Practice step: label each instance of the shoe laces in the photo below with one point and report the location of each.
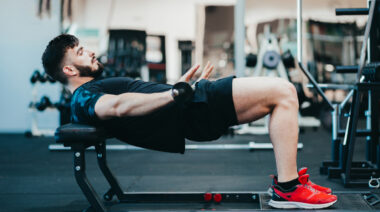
(311, 188)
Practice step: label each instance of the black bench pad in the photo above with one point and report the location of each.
(70, 134)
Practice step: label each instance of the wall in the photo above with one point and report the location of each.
(23, 38)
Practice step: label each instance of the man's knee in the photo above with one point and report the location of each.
(286, 94)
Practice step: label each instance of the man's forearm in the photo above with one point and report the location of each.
(137, 104)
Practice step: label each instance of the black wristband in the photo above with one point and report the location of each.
(182, 92)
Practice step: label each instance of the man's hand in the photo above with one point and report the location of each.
(206, 72)
(182, 91)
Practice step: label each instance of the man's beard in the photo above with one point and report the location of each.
(86, 71)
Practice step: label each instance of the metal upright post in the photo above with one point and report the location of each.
(369, 140)
(350, 136)
(373, 56)
(335, 115)
(374, 110)
(239, 38)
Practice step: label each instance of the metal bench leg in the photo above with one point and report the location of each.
(81, 178)
(102, 162)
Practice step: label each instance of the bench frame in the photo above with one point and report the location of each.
(97, 204)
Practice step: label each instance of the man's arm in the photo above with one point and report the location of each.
(130, 104)
(138, 104)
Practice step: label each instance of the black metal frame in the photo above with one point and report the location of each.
(342, 164)
(140, 197)
(342, 151)
(371, 166)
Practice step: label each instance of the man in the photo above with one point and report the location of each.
(148, 115)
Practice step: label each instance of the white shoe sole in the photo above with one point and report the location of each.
(270, 191)
(290, 205)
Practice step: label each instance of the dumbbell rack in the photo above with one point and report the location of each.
(35, 131)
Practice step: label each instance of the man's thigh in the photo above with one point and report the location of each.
(255, 97)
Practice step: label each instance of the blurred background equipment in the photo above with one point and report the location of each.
(126, 54)
(218, 40)
(156, 58)
(187, 50)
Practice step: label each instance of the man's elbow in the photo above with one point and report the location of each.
(122, 110)
(121, 113)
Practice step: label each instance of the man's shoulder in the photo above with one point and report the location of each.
(100, 83)
(83, 102)
(87, 91)
(109, 82)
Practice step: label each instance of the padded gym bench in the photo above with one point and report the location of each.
(80, 137)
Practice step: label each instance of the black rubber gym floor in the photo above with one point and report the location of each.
(34, 179)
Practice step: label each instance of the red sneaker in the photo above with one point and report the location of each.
(301, 196)
(326, 190)
(302, 171)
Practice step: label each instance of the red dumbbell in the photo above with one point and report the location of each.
(217, 198)
(207, 197)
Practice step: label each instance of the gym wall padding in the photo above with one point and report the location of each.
(23, 38)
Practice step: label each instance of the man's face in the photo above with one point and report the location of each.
(84, 61)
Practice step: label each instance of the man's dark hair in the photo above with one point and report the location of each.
(54, 53)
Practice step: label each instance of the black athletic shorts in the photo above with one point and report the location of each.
(211, 111)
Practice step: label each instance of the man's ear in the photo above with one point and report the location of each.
(69, 70)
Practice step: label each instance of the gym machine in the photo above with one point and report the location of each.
(353, 173)
(269, 61)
